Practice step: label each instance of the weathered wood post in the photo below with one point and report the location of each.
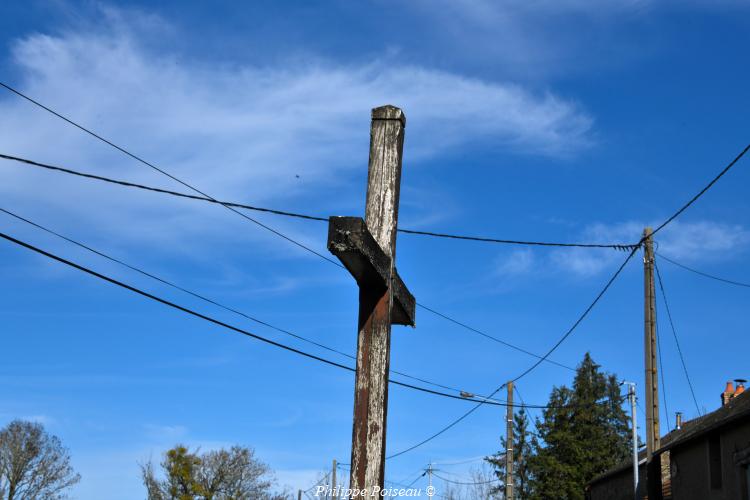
(509, 440)
(653, 434)
(368, 249)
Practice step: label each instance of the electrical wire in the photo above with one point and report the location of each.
(580, 319)
(487, 401)
(661, 369)
(236, 205)
(167, 174)
(462, 462)
(166, 282)
(701, 273)
(221, 323)
(676, 340)
(278, 212)
(702, 191)
(495, 339)
(615, 246)
(462, 483)
(209, 300)
(321, 480)
(527, 371)
(417, 479)
(632, 247)
(158, 190)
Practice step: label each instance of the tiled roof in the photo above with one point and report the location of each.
(738, 407)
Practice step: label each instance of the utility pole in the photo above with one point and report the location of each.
(653, 436)
(299, 494)
(430, 489)
(634, 425)
(367, 248)
(509, 444)
(333, 480)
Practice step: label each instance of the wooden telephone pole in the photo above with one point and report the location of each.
(653, 436)
(333, 480)
(509, 445)
(367, 248)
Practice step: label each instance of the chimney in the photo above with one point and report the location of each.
(740, 386)
(727, 394)
(678, 423)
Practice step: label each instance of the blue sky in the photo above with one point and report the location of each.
(566, 120)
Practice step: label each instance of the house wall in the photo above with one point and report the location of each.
(690, 465)
(735, 439)
(618, 486)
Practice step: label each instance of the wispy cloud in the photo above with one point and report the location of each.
(683, 240)
(168, 433)
(274, 135)
(516, 263)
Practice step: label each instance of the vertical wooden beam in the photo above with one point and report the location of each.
(333, 480)
(653, 437)
(509, 445)
(374, 331)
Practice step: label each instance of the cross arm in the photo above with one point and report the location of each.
(351, 241)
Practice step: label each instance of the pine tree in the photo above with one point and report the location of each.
(582, 433)
(521, 453)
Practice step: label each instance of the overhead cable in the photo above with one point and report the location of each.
(528, 370)
(615, 246)
(207, 299)
(676, 340)
(701, 273)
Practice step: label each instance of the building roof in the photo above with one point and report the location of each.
(737, 408)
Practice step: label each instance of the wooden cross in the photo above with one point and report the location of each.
(368, 250)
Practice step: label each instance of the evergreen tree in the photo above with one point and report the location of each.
(521, 454)
(582, 433)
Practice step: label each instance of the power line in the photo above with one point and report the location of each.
(278, 212)
(580, 319)
(661, 369)
(206, 299)
(158, 190)
(462, 462)
(167, 174)
(632, 247)
(187, 310)
(527, 371)
(221, 323)
(417, 479)
(676, 340)
(486, 335)
(615, 246)
(462, 483)
(230, 309)
(321, 480)
(702, 191)
(701, 273)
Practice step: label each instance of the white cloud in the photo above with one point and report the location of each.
(692, 241)
(689, 241)
(516, 263)
(166, 433)
(238, 132)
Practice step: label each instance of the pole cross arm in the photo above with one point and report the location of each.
(351, 241)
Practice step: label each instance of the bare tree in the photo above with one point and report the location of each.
(215, 475)
(33, 464)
